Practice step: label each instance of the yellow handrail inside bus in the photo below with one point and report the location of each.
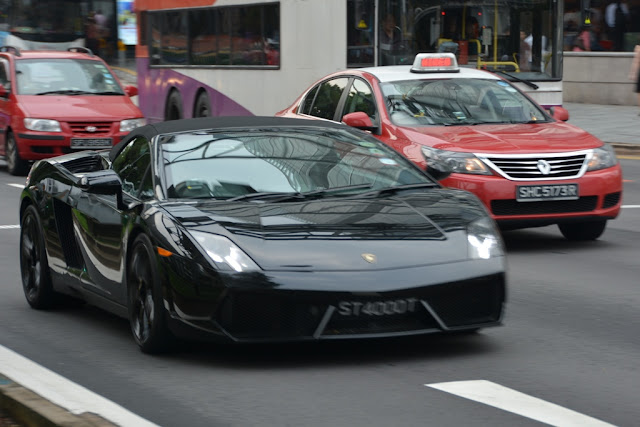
(482, 63)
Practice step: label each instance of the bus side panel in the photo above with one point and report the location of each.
(155, 85)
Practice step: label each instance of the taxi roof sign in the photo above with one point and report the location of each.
(435, 63)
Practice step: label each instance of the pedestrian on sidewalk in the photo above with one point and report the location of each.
(634, 72)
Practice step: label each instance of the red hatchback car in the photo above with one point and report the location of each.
(55, 102)
(475, 131)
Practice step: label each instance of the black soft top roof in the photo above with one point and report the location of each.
(216, 123)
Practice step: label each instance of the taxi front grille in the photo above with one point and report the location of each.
(90, 129)
(539, 166)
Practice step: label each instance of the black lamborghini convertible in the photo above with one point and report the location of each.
(258, 229)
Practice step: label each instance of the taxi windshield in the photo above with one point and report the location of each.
(457, 101)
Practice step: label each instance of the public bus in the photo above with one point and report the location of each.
(40, 24)
(230, 57)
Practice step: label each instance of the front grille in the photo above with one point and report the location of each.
(611, 199)
(538, 166)
(362, 325)
(299, 315)
(79, 129)
(264, 315)
(513, 207)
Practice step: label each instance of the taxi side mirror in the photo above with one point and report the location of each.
(131, 90)
(559, 113)
(359, 120)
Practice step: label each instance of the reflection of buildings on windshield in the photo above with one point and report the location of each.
(228, 166)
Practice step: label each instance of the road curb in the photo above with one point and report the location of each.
(32, 410)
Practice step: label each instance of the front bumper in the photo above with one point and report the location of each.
(311, 306)
(42, 145)
(600, 197)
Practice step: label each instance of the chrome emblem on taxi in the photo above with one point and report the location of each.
(544, 167)
(91, 129)
(370, 258)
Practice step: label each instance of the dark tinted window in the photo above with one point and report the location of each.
(360, 25)
(326, 101)
(4, 79)
(203, 36)
(155, 31)
(133, 166)
(308, 101)
(360, 98)
(227, 36)
(174, 38)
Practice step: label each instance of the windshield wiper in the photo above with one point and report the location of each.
(262, 195)
(464, 123)
(394, 189)
(518, 79)
(282, 197)
(106, 92)
(65, 92)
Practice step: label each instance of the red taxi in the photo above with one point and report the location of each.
(475, 131)
(55, 102)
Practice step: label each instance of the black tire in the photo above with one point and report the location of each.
(173, 110)
(581, 231)
(146, 310)
(34, 266)
(15, 165)
(203, 106)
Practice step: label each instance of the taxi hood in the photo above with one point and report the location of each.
(505, 138)
(334, 234)
(79, 107)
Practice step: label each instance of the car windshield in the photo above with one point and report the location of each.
(282, 162)
(65, 77)
(458, 101)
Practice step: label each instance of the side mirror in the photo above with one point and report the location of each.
(559, 113)
(101, 182)
(131, 90)
(359, 120)
(4, 93)
(105, 182)
(437, 166)
(438, 171)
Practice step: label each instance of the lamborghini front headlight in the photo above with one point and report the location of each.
(224, 252)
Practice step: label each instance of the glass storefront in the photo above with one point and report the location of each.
(610, 29)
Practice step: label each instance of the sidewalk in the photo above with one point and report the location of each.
(618, 125)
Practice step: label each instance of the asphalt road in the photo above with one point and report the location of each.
(570, 338)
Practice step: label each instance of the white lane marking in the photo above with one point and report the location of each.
(510, 400)
(20, 186)
(63, 392)
(631, 206)
(7, 227)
